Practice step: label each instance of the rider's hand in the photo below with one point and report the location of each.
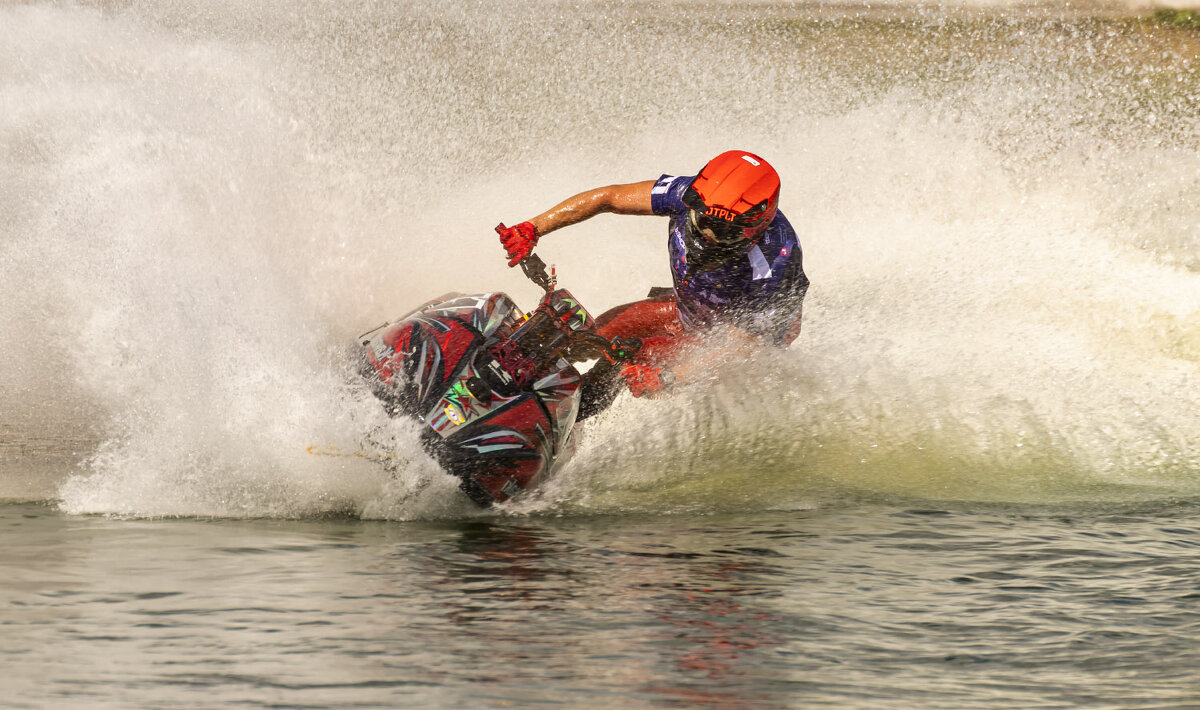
(518, 241)
(645, 380)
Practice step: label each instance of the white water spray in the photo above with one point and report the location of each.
(202, 205)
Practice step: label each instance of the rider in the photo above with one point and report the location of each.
(735, 262)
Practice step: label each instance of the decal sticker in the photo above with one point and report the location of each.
(762, 270)
(453, 415)
(498, 440)
(496, 369)
(460, 395)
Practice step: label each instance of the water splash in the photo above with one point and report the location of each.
(999, 213)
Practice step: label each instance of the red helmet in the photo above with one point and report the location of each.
(734, 198)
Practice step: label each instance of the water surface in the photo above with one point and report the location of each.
(857, 606)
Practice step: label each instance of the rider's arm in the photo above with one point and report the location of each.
(632, 198)
(793, 330)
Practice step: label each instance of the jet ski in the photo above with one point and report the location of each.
(495, 389)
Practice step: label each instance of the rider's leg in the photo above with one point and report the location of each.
(655, 322)
(640, 319)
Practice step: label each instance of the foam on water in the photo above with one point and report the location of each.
(201, 205)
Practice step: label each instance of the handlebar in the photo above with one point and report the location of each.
(615, 350)
(535, 269)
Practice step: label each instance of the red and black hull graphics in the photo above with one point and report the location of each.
(496, 418)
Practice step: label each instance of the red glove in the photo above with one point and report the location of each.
(518, 241)
(644, 379)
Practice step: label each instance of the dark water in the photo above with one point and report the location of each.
(856, 606)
